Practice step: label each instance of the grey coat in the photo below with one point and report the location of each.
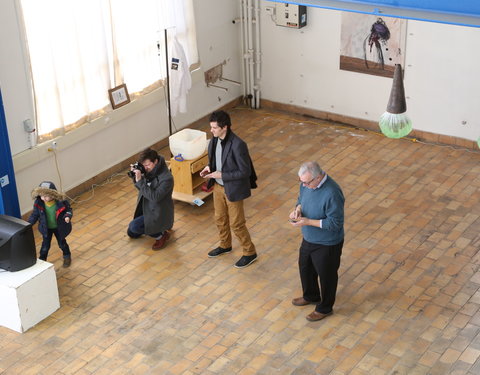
(154, 200)
(238, 173)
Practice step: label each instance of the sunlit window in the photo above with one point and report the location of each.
(80, 49)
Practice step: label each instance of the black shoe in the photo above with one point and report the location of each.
(43, 257)
(67, 262)
(218, 251)
(246, 260)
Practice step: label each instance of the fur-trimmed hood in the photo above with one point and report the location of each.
(48, 189)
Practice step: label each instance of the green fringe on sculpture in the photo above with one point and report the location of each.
(394, 123)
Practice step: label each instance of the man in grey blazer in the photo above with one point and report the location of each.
(154, 212)
(230, 171)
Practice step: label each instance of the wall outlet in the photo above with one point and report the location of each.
(4, 181)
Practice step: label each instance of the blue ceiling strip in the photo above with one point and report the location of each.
(463, 7)
(464, 13)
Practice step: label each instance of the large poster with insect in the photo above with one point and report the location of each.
(372, 44)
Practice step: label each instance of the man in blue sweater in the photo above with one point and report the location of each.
(320, 213)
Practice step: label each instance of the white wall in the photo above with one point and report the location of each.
(93, 148)
(443, 78)
(442, 75)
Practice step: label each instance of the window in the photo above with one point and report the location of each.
(80, 49)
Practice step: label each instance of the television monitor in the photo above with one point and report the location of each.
(17, 244)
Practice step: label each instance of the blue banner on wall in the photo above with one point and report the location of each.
(8, 189)
(2, 209)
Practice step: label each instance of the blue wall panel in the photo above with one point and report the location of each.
(8, 193)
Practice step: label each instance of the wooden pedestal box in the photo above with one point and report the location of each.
(186, 175)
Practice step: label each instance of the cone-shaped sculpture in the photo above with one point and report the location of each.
(394, 123)
(397, 103)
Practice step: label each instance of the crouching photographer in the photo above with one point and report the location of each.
(154, 211)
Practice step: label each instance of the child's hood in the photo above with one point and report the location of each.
(48, 189)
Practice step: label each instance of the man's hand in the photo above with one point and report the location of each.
(296, 219)
(138, 174)
(215, 174)
(296, 213)
(205, 171)
(67, 219)
(300, 221)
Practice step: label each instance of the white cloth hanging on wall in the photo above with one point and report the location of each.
(180, 79)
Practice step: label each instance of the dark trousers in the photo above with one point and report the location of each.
(136, 228)
(320, 262)
(62, 244)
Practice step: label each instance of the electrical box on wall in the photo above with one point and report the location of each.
(291, 15)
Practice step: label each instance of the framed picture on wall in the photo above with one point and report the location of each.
(119, 96)
(372, 44)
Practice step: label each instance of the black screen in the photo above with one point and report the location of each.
(17, 244)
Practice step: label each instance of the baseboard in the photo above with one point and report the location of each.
(370, 125)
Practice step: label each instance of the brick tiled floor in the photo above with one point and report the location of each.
(408, 297)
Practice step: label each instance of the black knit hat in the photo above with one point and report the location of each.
(48, 185)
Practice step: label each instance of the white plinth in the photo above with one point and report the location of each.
(28, 296)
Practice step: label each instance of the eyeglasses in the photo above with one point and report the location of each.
(307, 183)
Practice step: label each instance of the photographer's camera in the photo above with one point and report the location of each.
(138, 166)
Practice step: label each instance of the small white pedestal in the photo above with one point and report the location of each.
(28, 296)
